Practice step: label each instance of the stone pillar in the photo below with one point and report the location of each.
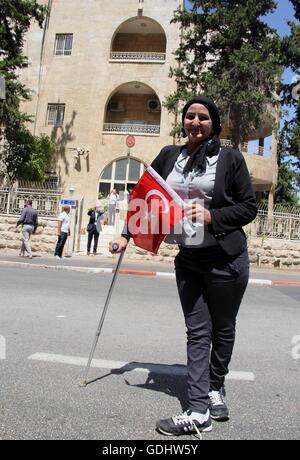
(261, 145)
(274, 163)
(271, 199)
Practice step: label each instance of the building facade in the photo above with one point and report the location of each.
(99, 71)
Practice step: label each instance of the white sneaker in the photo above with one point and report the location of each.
(185, 424)
(218, 408)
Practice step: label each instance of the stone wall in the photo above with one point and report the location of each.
(43, 241)
(263, 252)
(266, 252)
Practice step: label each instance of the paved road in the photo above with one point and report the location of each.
(50, 314)
(140, 264)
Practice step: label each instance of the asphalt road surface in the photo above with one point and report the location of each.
(48, 322)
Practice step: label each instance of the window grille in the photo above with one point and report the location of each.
(55, 114)
(63, 44)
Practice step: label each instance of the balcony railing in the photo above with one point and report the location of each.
(133, 128)
(243, 147)
(141, 56)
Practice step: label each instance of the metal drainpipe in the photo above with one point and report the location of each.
(46, 24)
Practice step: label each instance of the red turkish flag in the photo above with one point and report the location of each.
(154, 209)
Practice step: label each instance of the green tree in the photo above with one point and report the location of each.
(19, 148)
(229, 53)
(25, 156)
(288, 175)
(289, 137)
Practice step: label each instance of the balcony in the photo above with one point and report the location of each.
(133, 127)
(138, 56)
(139, 40)
(261, 166)
(243, 147)
(133, 109)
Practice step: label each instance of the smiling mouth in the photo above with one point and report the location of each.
(195, 131)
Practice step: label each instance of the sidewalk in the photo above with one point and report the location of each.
(101, 264)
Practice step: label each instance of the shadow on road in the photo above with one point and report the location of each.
(164, 378)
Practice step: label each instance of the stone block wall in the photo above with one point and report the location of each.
(42, 242)
(262, 253)
(266, 252)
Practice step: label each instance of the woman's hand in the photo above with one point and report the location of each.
(196, 213)
(121, 242)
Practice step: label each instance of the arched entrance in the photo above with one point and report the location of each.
(122, 174)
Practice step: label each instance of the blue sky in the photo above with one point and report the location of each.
(278, 20)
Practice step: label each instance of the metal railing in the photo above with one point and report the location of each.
(282, 223)
(133, 128)
(4, 200)
(141, 56)
(243, 147)
(45, 201)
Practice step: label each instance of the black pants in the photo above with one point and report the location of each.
(60, 244)
(210, 294)
(92, 234)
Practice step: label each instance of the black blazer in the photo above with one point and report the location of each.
(91, 225)
(233, 203)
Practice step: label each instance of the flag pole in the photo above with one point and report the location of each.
(84, 382)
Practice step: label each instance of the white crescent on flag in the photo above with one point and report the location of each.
(161, 195)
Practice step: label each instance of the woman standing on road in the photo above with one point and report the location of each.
(213, 275)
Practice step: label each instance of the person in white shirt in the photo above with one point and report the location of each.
(112, 204)
(63, 231)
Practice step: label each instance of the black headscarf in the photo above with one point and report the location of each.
(209, 147)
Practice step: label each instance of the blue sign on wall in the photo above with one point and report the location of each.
(68, 202)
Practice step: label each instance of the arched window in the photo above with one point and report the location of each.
(122, 174)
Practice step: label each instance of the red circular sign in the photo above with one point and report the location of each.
(130, 141)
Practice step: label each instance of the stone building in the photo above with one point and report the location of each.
(98, 71)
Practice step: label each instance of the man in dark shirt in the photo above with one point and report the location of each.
(29, 222)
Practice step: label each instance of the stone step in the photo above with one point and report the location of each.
(108, 232)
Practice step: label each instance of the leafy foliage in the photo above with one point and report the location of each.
(22, 155)
(289, 138)
(288, 176)
(229, 53)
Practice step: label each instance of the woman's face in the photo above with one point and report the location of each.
(197, 123)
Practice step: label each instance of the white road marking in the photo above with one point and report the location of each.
(165, 275)
(60, 316)
(120, 366)
(2, 347)
(258, 281)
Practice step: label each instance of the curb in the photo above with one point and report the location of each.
(124, 271)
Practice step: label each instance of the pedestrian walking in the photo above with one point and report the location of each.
(94, 228)
(211, 276)
(63, 231)
(113, 199)
(29, 222)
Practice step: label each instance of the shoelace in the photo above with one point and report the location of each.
(184, 418)
(216, 398)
